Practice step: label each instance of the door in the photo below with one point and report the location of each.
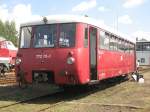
(93, 53)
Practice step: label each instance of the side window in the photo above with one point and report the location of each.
(86, 36)
(128, 51)
(106, 41)
(111, 44)
(131, 47)
(101, 40)
(116, 44)
(126, 47)
(121, 45)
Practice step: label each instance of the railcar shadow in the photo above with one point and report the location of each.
(13, 94)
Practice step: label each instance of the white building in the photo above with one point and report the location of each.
(143, 51)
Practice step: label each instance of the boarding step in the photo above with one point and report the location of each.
(94, 82)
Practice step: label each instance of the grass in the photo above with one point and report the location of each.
(126, 93)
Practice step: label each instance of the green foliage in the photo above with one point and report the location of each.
(8, 31)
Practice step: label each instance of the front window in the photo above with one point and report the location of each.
(67, 35)
(45, 36)
(49, 35)
(26, 34)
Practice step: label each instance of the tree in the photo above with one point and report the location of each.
(8, 31)
(2, 29)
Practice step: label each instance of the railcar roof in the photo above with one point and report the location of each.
(73, 18)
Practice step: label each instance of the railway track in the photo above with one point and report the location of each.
(58, 97)
(51, 106)
(32, 99)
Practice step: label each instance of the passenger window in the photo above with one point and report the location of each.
(115, 44)
(121, 46)
(106, 41)
(101, 40)
(111, 44)
(126, 47)
(128, 51)
(86, 36)
(131, 48)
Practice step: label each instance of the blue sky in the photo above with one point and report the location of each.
(128, 16)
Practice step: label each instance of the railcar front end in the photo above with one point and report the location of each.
(52, 53)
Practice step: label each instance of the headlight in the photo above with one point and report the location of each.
(70, 60)
(18, 61)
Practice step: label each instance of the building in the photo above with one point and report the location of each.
(143, 51)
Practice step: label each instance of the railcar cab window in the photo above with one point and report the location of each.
(26, 34)
(67, 35)
(45, 36)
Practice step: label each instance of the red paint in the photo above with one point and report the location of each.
(7, 50)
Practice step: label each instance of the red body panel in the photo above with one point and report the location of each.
(7, 53)
(111, 64)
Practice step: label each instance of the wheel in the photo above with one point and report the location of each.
(22, 83)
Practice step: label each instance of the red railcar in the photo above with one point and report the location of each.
(7, 55)
(72, 51)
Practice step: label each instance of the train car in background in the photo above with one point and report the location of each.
(72, 50)
(7, 55)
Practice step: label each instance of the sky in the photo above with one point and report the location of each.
(130, 17)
